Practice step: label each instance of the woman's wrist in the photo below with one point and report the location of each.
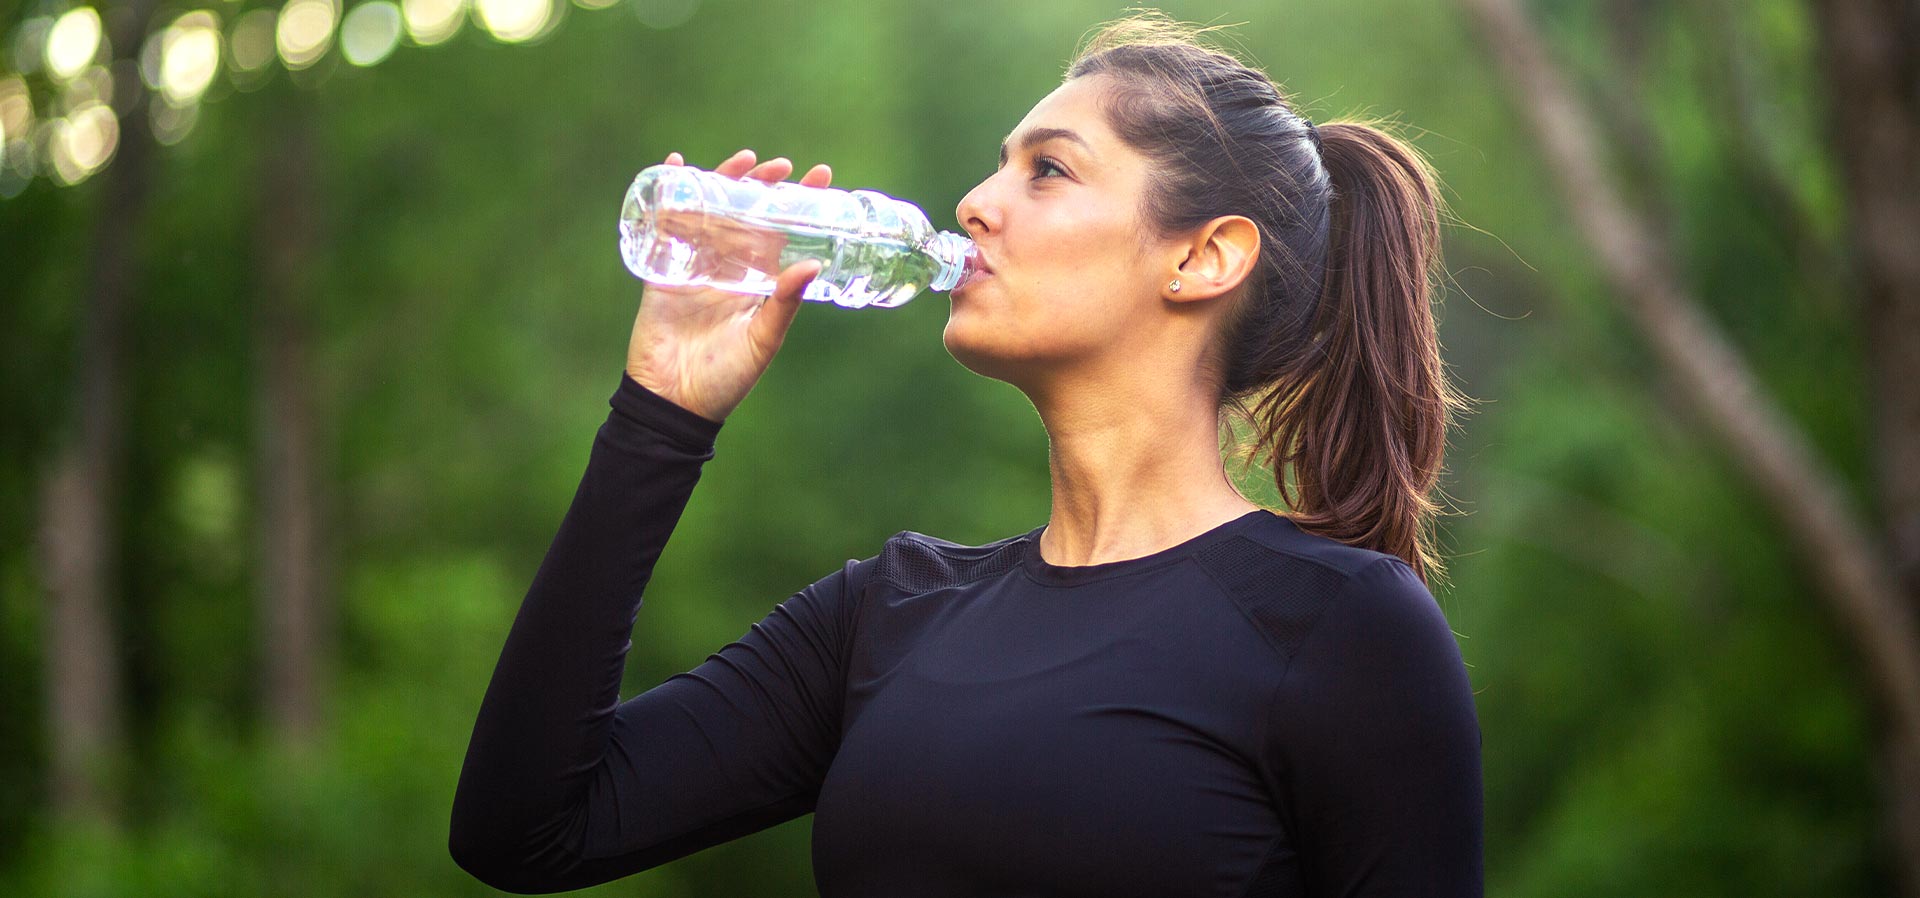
(671, 394)
(650, 407)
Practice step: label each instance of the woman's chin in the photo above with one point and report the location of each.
(959, 338)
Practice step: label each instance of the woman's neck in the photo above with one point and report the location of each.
(1134, 471)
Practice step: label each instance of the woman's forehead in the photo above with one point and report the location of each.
(1072, 114)
(1073, 106)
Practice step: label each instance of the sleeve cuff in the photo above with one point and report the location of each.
(656, 412)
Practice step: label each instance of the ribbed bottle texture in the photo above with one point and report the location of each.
(684, 226)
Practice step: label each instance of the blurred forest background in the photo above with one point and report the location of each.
(302, 351)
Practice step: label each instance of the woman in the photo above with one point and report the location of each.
(1165, 690)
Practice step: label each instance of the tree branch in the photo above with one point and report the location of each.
(1855, 577)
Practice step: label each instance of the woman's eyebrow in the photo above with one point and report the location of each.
(1042, 135)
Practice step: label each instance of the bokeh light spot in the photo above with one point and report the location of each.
(514, 21)
(73, 42)
(30, 44)
(83, 142)
(305, 31)
(252, 43)
(189, 57)
(432, 21)
(16, 136)
(370, 33)
(170, 123)
(16, 106)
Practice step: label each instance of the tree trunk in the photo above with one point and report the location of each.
(1867, 52)
(294, 606)
(1860, 586)
(79, 516)
(1873, 74)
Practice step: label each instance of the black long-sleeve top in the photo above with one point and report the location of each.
(1256, 711)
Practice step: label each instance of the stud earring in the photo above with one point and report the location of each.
(1175, 285)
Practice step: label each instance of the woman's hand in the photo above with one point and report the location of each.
(704, 349)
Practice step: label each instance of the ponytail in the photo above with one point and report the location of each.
(1363, 425)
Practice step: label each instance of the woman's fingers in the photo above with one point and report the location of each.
(736, 165)
(743, 165)
(770, 322)
(775, 169)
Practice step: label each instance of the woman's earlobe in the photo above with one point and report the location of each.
(1189, 287)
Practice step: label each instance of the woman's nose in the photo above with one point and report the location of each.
(972, 213)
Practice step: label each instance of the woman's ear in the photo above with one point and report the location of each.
(1219, 257)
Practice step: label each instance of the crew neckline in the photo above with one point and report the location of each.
(1075, 574)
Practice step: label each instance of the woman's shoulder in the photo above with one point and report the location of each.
(1277, 535)
(1285, 580)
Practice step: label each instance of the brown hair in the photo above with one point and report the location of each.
(1331, 338)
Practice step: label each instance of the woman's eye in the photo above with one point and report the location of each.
(1042, 165)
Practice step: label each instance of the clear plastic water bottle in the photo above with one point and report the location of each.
(685, 226)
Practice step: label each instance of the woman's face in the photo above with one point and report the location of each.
(1074, 271)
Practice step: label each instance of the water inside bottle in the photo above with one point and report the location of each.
(746, 253)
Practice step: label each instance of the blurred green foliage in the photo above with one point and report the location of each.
(1666, 710)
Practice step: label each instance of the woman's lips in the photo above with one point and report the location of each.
(979, 272)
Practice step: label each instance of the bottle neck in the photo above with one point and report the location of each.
(955, 254)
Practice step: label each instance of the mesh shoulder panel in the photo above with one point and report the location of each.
(1281, 594)
(920, 563)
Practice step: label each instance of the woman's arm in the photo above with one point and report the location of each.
(564, 786)
(1377, 735)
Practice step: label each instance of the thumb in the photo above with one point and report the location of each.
(771, 321)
